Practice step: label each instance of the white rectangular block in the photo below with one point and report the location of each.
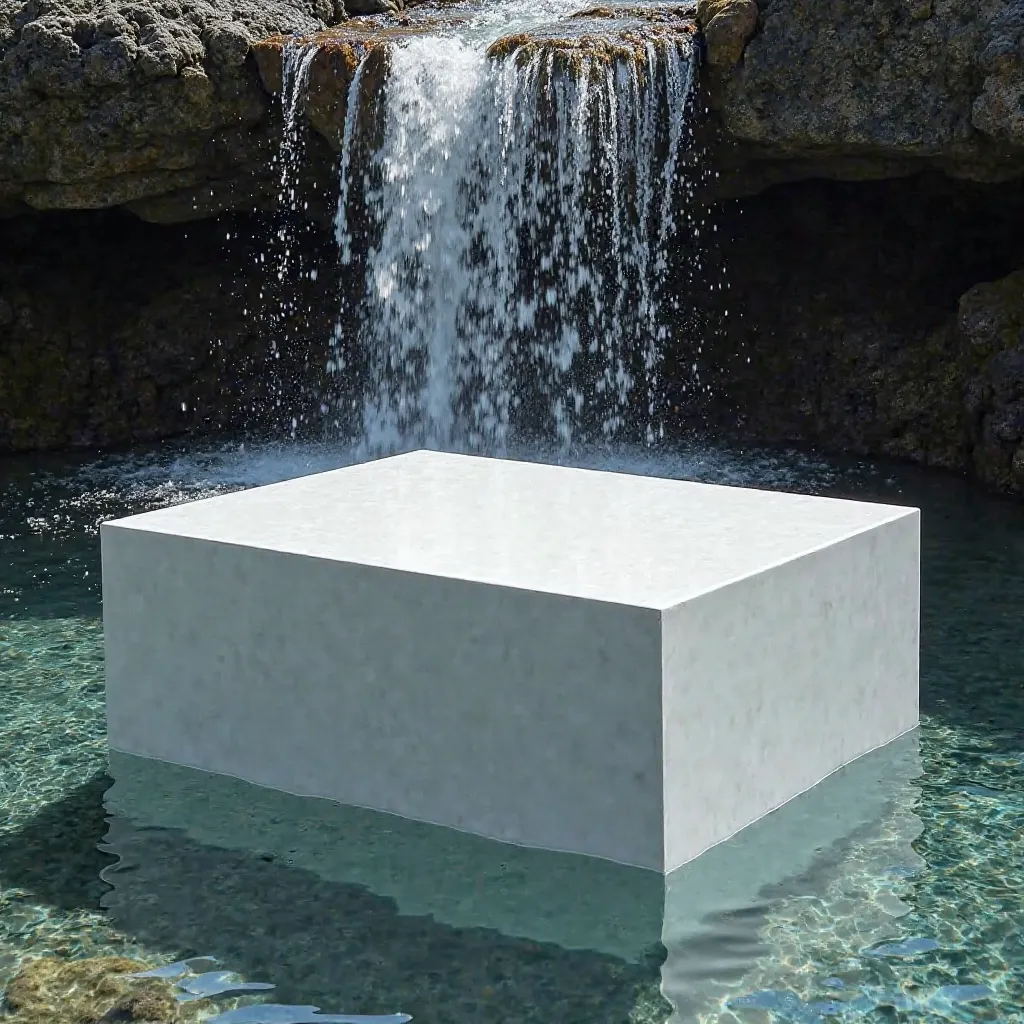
(626, 667)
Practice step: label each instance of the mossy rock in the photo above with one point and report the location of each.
(94, 991)
(991, 315)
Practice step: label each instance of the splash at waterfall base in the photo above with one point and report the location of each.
(454, 640)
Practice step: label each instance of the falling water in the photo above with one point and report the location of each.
(513, 219)
(295, 65)
(289, 259)
(296, 60)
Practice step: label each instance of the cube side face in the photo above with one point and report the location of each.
(524, 717)
(774, 682)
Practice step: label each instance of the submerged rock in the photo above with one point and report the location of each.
(55, 991)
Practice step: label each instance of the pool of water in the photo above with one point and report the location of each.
(890, 894)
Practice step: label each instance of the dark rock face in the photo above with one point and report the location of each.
(114, 331)
(999, 110)
(859, 309)
(991, 324)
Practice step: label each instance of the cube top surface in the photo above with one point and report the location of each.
(632, 540)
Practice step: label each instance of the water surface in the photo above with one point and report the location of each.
(893, 894)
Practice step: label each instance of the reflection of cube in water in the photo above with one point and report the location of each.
(621, 666)
(172, 828)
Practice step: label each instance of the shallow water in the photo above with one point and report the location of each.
(898, 905)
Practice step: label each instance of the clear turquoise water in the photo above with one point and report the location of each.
(915, 914)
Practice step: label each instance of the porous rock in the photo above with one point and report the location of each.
(728, 26)
(860, 91)
(999, 110)
(112, 102)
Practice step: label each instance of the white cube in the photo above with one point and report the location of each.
(620, 666)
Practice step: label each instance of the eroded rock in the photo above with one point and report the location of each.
(728, 26)
(868, 90)
(108, 102)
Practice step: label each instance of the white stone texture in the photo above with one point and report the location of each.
(598, 663)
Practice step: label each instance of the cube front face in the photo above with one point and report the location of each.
(524, 717)
(777, 680)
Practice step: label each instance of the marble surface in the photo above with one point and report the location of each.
(774, 682)
(593, 663)
(640, 541)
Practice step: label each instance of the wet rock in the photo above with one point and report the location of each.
(95, 991)
(624, 34)
(991, 321)
(338, 53)
(337, 56)
(860, 91)
(999, 110)
(374, 6)
(108, 102)
(728, 26)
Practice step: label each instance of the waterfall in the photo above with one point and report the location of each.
(295, 65)
(512, 221)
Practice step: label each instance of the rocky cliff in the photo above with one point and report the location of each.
(157, 104)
